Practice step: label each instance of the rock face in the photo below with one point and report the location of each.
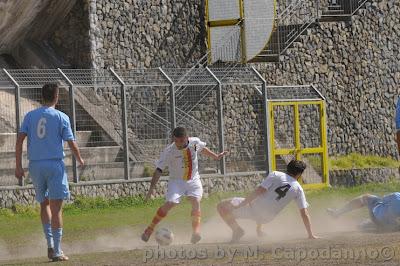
(127, 34)
(10, 196)
(21, 19)
(355, 65)
(357, 68)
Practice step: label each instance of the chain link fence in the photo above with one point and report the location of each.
(122, 119)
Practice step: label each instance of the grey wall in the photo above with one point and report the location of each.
(9, 196)
(356, 66)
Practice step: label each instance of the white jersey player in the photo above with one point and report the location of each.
(181, 158)
(276, 191)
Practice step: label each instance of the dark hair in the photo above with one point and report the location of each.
(179, 132)
(49, 92)
(296, 167)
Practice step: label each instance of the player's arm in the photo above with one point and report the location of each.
(156, 176)
(252, 196)
(307, 223)
(74, 148)
(19, 171)
(207, 152)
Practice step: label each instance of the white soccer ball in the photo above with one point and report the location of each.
(164, 236)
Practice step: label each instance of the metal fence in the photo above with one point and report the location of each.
(122, 119)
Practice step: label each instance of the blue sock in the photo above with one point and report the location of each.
(57, 235)
(48, 235)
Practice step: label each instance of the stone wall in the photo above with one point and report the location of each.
(147, 33)
(354, 177)
(10, 196)
(356, 67)
(354, 64)
(239, 182)
(71, 39)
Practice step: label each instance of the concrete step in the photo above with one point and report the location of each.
(91, 155)
(329, 17)
(7, 140)
(106, 171)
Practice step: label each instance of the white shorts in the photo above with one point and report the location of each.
(177, 188)
(248, 212)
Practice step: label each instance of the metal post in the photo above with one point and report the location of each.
(266, 121)
(17, 111)
(73, 120)
(171, 99)
(124, 125)
(221, 135)
(278, 37)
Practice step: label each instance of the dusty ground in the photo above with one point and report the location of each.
(284, 244)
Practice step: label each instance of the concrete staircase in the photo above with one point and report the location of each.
(102, 162)
(341, 10)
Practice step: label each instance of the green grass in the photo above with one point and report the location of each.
(86, 218)
(358, 161)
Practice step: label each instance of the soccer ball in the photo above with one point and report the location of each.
(164, 236)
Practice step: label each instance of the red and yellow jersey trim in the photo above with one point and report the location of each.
(187, 162)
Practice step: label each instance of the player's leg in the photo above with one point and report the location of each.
(354, 204)
(225, 210)
(160, 214)
(194, 191)
(57, 228)
(58, 191)
(260, 232)
(196, 219)
(45, 215)
(174, 193)
(40, 184)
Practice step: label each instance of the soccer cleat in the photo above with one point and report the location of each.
(50, 253)
(367, 225)
(146, 235)
(237, 235)
(260, 233)
(195, 238)
(62, 257)
(332, 212)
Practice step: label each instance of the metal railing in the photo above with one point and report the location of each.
(122, 119)
(341, 7)
(293, 18)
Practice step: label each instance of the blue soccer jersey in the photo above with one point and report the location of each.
(398, 115)
(387, 212)
(47, 129)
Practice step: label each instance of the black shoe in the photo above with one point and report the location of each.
(195, 238)
(332, 212)
(146, 235)
(62, 257)
(237, 235)
(50, 253)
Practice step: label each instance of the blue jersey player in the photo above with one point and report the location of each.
(383, 211)
(47, 129)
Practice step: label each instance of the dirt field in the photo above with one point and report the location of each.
(284, 244)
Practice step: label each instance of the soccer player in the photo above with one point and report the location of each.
(47, 129)
(267, 200)
(398, 124)
(383, 211)
(181, 158)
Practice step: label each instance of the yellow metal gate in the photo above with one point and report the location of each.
(297, 129)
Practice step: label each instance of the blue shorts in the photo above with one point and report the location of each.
(372, 202)
(49, 179)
